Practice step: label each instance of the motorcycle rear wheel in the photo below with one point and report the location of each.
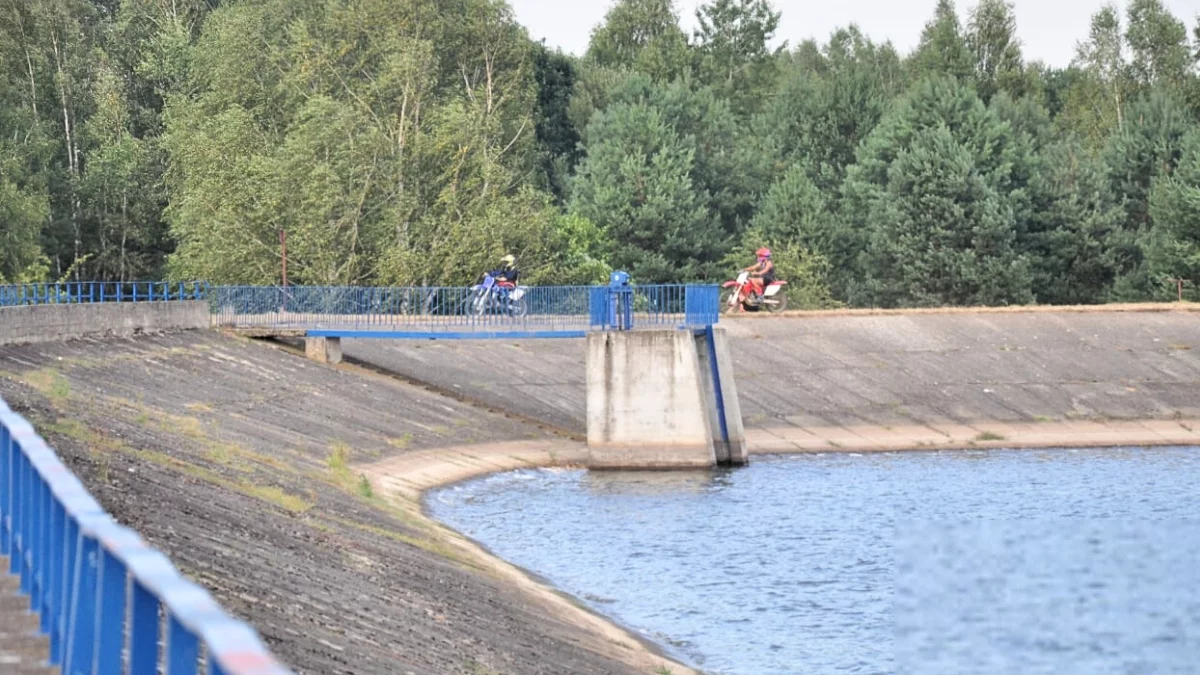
(519, 308)
(777, 303)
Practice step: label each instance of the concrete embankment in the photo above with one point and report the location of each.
(865, 381)
(48, 323)
(252, 469)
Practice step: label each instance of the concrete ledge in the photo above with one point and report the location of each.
(323, 349)
(51, 323)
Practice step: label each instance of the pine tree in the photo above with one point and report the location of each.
(942, 49)
(933, 193)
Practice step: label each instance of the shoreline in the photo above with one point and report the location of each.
(409, 477)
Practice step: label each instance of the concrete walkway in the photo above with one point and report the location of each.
(991, 435)
(23, 651)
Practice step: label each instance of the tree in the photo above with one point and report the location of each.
(378, 154)
(1158, 45)
(556, 74)
(636, 185)
(1072, 225)
(933, 192)
(1173, 246)
(992, 39)
(1146, 150)
(942, 49)
(1100, 102)
(734, 55)
(824, 108)
(642, 35)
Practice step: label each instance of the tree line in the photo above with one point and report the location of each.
(416, 141)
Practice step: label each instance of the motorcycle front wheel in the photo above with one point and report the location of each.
(480, 304)
(726, 296)
(777, 303)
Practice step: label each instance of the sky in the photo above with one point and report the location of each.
(1049, 29)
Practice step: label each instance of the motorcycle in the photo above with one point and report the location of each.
(498, 297)
(740, 294)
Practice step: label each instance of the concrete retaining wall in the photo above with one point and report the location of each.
(49, 323)
(660, 400)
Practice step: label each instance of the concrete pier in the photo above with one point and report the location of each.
(323, 349)
(659, 400)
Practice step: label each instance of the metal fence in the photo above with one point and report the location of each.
(433, 309)
(102, 593)
(12, 295)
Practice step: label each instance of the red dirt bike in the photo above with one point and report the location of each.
(746, 294)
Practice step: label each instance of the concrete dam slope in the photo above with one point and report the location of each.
(242, 463)
(835, 370)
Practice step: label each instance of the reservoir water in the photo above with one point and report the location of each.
(1063, 561)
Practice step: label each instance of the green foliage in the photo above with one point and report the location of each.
(992, 39)
(826, 104)
(1173, 243)
(733, 54)
(933, 192)
(636, 185)
(641, 35)
(1073, 225)
(414, 142)
(943, 49)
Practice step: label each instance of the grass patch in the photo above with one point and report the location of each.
(989, 436)
(71, 428)
(402, 442)
(1042, 419)
(364, 487)
(339, 457)
(276, 496)
(49, 382)
(476, 668)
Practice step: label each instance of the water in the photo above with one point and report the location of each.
(943, 563)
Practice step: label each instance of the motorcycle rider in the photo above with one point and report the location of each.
(762, 273)
(507, 272)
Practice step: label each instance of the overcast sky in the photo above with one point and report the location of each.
(1049, 29)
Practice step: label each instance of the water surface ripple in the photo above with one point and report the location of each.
(1062, 561)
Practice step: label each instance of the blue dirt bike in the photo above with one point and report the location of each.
(498, 297)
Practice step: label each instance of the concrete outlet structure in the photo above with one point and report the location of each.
(662, 399)
(323, 349)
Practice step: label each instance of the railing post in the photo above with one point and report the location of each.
(6, 488)
(143, 632)
(110, 611)
(81, 625)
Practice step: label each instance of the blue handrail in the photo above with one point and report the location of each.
(77, 564)
(87, 292)
(459, 309)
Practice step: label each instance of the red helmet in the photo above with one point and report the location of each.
(764, 253)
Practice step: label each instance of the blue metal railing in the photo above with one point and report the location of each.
(101, 591)
(549, 309)
(12, 295)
